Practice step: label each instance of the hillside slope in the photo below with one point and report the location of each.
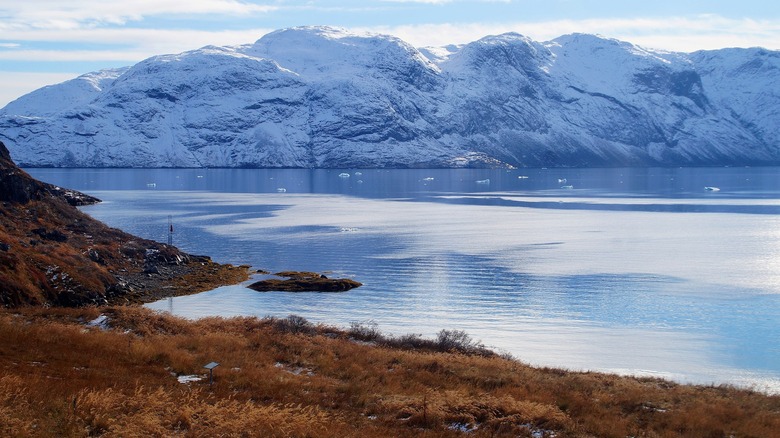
(53, 254)
(135, 372)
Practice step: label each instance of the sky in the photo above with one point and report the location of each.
(49, 41)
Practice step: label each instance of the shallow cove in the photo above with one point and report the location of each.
(637, 271)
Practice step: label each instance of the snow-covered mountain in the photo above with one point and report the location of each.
(325, 97)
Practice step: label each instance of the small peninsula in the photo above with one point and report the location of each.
(52, 254)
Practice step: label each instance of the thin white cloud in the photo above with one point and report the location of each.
(57, 14)
(145, 43)
(110, 57)
(683, 34)
(431, 2)
(441, 2)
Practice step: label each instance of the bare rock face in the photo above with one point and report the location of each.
(19, 187)
(5, 156)
(15, 185)
(324, 97)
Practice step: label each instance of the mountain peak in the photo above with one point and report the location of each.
(314, 50)
(590, 43)
(330, 32)
(505, 37)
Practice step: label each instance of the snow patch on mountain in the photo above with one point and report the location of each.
(327, 97)
(53, 99)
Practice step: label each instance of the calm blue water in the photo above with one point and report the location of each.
(635, 271)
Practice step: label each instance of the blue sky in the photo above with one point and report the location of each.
(48, 41)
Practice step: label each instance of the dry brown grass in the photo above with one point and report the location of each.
(60, 377)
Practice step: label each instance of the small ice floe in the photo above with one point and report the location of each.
(712, 189)
(483, 181)
(151, 185)
(281, 190)
(358, 173)
(567, 187)
(348, 229)
(561, 180)
(522, 177)
(343, 175)
(188, 378)
(429, 178)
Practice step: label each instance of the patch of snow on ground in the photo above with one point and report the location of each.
(188, 378)
(462, 427)
(294, 370)
(100, 322)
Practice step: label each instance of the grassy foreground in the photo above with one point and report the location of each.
(60, 376)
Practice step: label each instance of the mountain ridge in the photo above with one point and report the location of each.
(326, 97)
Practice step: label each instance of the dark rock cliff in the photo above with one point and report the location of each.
(18, 187)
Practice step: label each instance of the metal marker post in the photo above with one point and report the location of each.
(210, 366)
(170, 231)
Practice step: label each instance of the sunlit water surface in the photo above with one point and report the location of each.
(634, 271)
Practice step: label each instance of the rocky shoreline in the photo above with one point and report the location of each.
(52, 254)
(195, 274)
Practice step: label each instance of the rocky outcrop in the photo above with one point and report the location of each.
(18, 187)
(53, 254)
(304, 282)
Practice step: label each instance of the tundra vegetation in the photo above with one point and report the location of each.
(117, 371)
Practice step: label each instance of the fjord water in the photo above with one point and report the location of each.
(635, 271)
